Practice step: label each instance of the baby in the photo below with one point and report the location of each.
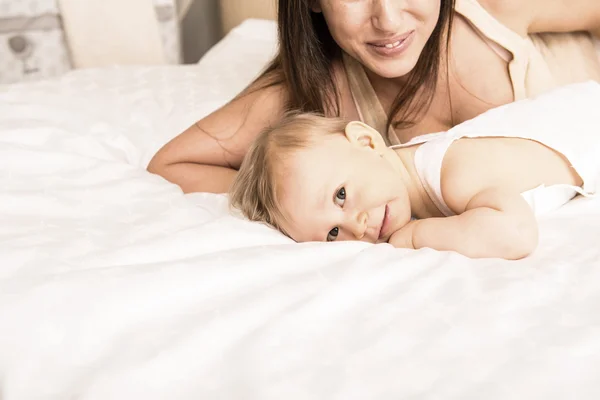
(322, 179)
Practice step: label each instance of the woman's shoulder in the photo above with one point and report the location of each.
(513, 14)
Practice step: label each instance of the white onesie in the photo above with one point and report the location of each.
(566, 119)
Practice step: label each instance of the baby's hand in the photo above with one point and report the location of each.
(403, 237)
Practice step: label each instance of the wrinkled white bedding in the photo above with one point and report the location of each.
(115, 285)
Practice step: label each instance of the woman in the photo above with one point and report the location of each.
(405, 67)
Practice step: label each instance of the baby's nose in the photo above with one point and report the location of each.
(358, 224)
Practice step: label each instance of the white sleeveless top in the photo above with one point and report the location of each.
(566, 119)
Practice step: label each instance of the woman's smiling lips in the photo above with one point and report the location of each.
(392, 46)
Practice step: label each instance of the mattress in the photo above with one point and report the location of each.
(116, 285)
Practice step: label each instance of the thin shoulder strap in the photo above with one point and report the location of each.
(494, 30)
(490, 26)
(367, 103)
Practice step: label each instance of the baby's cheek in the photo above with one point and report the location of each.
(346, 236)
(400, 213)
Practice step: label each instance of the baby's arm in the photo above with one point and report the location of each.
(493, 224)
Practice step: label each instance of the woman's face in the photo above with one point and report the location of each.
(386, 36)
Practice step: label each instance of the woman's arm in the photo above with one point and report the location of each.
(537, 16)
(205, 157)
(494, 224)
(564, 16)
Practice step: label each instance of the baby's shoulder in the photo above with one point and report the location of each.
(462, 175)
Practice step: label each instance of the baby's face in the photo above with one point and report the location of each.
(339, 189)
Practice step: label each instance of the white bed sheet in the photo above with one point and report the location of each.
(115, 285)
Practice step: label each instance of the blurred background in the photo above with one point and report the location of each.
(46, 38)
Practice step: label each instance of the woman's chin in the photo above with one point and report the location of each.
(392, 69)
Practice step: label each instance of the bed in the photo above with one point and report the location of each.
(116, 285)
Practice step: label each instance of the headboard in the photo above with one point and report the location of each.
(233, 12)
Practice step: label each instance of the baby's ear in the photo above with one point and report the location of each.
(361, 134)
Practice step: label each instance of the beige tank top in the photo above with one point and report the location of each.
(536, 63)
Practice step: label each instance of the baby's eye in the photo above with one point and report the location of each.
(340, 197)
(333, 234)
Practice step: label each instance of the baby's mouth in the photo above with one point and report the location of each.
(384, 223)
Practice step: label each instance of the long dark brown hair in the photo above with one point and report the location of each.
(307, 52)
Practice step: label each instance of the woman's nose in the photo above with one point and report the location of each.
(357, 225)
(386, 15)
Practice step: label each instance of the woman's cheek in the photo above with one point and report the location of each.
(346, 21)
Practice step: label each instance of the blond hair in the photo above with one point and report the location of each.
(255, 190)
